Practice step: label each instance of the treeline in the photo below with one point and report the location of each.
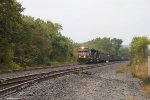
(108, 46)
(25, 41)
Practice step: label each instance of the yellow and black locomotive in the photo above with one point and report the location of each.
(87, 55)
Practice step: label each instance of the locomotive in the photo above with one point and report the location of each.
(87, 55)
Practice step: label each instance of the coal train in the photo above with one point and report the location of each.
(87, 55)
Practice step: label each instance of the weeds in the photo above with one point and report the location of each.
(140, 70)
(123, 69)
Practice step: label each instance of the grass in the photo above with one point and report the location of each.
(140, 70)
(147, 80)
(5, 69)
(123, 69)
(146, 85)
(146, 88)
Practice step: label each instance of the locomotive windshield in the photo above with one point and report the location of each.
(83, 51)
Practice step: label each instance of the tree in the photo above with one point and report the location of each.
(105, 45)
(139, 47)
(26, 41)
(116, 44)
(124, 52)
(49, 43)
(10, 22)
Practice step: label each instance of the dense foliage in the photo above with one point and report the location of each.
(139, 48)
(10, 22)
(25, 41)
(108, 46)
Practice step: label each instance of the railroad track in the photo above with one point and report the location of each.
(12, 85)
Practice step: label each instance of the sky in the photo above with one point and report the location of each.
(84, 20)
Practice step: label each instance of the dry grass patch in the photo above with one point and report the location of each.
(146, 85)
(140, 70)
(124, 68)
(147, 88)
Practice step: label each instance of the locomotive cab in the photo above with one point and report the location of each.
(83, 55)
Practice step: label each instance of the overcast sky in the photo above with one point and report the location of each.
(83, 20)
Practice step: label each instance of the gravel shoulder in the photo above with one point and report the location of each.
(96, 84)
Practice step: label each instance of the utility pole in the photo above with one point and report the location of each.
(148, 66)
(148, 61)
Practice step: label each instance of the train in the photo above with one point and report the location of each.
(90, 55)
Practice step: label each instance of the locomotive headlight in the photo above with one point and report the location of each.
(79, 56)
(84, 56)
(82, 47)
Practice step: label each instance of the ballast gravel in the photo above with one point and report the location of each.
(95, 84)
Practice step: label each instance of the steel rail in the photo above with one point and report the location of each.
(12, 85)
